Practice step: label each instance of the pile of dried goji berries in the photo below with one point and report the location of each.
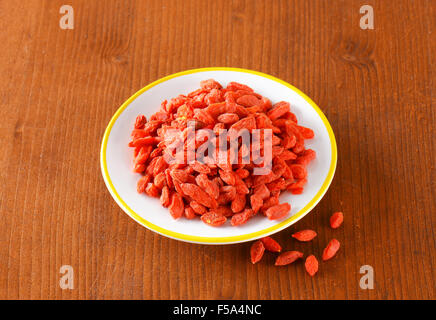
(226, 189)
(311, 264)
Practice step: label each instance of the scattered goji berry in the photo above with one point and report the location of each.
(176, 207)
(331, 249)
(336, 220)
(271, 245)
(257, 250)
(304, 235)
(288, 257)
(311, 265)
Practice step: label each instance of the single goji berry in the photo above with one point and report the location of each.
(304, 235)
(331, 249)
(336, 220)
(228, 118)
(278, 211)
(311, 265)
(140, 122)
(256, 202)
(238, 204)
(165, 199)
(159, 180)
(142, 183)
(189, 213)
(196, 193)
(198, 208)
(228, 177)
(209, 186)
(176, 207)
(210, 84)
(139, 168)
(271, 245)
(234, 86)
(152, 190)
(240, 218)
(306, 132)
(248, 100)
(278, 110)
(214, 219)
(288, 257)
(256, 252)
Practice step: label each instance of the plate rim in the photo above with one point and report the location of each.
(228, 239)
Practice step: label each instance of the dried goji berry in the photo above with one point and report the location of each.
(270, 202)
(196, 193)
(242, 173)
(256, 251)
(306, 132)
(311, 265)
(298, 171)
(210, 84)
(228, 118)
(214, 219)
(234, 86)
(248, 123)
(336, 220)
(209, 186)
(288, 257)
(331, 249)
(176, 207)
(256, 202)
(159, 180)
(142, 183)
(262, 191)
(189, 213)
(139, 168)
(165, 199)
(304, 235)
(238, 204)
(278, 110)
(278, 211)
(271, 245)
(228, 177)
(140, 122)
(198, 208)
(141, 142)
(152, 190)
(241, 217)
(143, 155)
(248, 101)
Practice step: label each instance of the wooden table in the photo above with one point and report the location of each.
(59, 88)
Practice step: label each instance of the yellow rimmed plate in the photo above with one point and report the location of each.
(116, 157)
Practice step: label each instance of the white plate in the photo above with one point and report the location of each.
(116, 157)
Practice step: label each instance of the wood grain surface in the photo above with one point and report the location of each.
(59, 89)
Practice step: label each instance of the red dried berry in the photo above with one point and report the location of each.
(271, 245)
(213, 219)
(176, 207)
(336, 220)
(311, 265)
(304, 235)
(257, 250)
(278, 211)
(331, 249)
(288, 257)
